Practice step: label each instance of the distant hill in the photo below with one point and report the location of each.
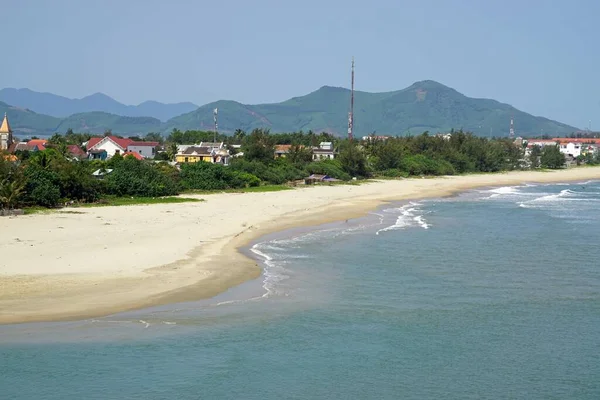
(27, 122)
(61, 107)
(99, 122)
(425, 105)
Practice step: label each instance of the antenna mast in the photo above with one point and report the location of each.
(351, 113)
(511, 133)
(215, 113)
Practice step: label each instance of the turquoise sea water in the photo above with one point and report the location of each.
(492, 294)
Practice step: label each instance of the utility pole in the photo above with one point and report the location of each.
(215, 112)
(351, 113)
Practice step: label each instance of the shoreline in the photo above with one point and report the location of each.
(132, 257)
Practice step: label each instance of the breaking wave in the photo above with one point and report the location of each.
(411, 215)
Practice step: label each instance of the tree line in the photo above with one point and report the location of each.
(51, 177)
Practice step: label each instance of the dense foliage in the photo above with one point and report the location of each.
(51, 177)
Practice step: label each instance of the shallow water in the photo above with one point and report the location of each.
(491, 294)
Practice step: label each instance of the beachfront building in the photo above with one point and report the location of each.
(570, 149)
(215, 153)
(325, 151)
(6, 135)
(108, 146)
(31, 145)
(281, 150)
(144, 149)
(541, 143)
(575, 147)
(372, 138)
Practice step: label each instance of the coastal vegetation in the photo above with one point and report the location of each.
(52, 177)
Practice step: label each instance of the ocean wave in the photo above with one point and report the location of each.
(561, 200)
(509, 192)
(411, 215)
(273, 273)
(503, 191)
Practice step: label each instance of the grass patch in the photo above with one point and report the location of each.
(35, 210)
(113, 201)
(255, 189)
(133, 201)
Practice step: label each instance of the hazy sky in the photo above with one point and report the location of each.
(539, 55)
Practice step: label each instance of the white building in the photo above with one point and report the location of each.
(571, 149)
(145, 149)
(325, 151)
(108, 146)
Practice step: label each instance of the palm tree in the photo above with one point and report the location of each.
(172, 151)
(10, 193)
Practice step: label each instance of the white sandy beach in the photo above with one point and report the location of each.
(87, 262)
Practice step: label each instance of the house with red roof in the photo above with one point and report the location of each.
(76, 151)
(133, 154)
(108, 146)
(32, 145)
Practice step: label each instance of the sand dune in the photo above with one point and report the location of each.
(80, 263)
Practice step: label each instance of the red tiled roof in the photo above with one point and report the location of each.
(283, 147)
(150, 144)
(576, 140)
(39, 143)
(75, 150)
(133, 154)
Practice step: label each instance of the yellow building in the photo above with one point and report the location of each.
(194, 154)
(211, 154)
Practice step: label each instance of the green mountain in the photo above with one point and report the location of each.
(62, 107)
(425, 105)
(27, 122)
(99, 122)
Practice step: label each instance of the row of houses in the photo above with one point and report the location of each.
(102, 148)
(324, 151)
(570, 147)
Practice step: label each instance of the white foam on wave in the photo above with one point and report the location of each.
(502, 191)
(556, 199)
(410, 215)
(273, 272)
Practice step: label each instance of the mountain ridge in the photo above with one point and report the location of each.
(62, 107)
(423, 106)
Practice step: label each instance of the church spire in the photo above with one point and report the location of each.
(5, 127)
(6, 137)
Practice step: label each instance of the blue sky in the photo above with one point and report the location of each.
(540, 56)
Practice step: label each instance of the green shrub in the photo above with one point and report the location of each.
(278, 172)
(42, 187)
(423, 165)
(132, 177)
(333, 168)
(394, 173)
(45, 193)
(207, 176)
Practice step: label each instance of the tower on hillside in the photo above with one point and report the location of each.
(511, 133)
(351, 113)
(6, 137)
